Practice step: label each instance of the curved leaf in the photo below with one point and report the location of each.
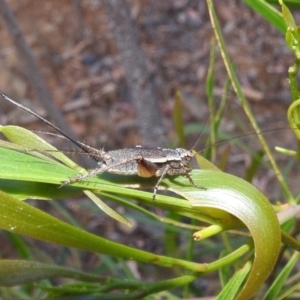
(225, 196)
(21, 218)
(238, 198)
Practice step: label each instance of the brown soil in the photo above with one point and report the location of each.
(81, 66)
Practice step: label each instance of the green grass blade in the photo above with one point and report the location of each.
(280, 280)
(267, 11)
(178, 120)
(233, 286)
(237, 88)
(294, 3)
(17, 272)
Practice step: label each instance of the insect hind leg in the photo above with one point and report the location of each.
(81, 177)
(162, 176)
(96, 171)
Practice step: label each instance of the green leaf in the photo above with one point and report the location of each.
(17, 272)
(238, 90)
(225, 196)
(205, 164)
(34, 166)
(294, 3)
(227, 193)
(292, 36)
(287, 16)
(28, 141)
(232, 287)
(21, 218)
(280, 280)
(272, 15)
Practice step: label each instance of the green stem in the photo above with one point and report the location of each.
(229, 258)
(293, 80)
(242, 99)
(293, 118)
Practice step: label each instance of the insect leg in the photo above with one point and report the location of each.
(182, 170)
(146, 168)
(193, 183)
(162, 176)
(96, 171)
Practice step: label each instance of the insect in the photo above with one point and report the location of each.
(141, 161)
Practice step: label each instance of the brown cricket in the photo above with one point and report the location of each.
(141, 161)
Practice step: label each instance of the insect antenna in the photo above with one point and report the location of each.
(217, 114)
(243, 136)
(85, 148)
(93, 153)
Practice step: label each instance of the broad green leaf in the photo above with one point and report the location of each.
(21, 218)
(227, 193)
(30, 142)
(225, 196)
(42, 168)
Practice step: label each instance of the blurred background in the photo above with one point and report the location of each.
(114, 82)
(83, 70)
